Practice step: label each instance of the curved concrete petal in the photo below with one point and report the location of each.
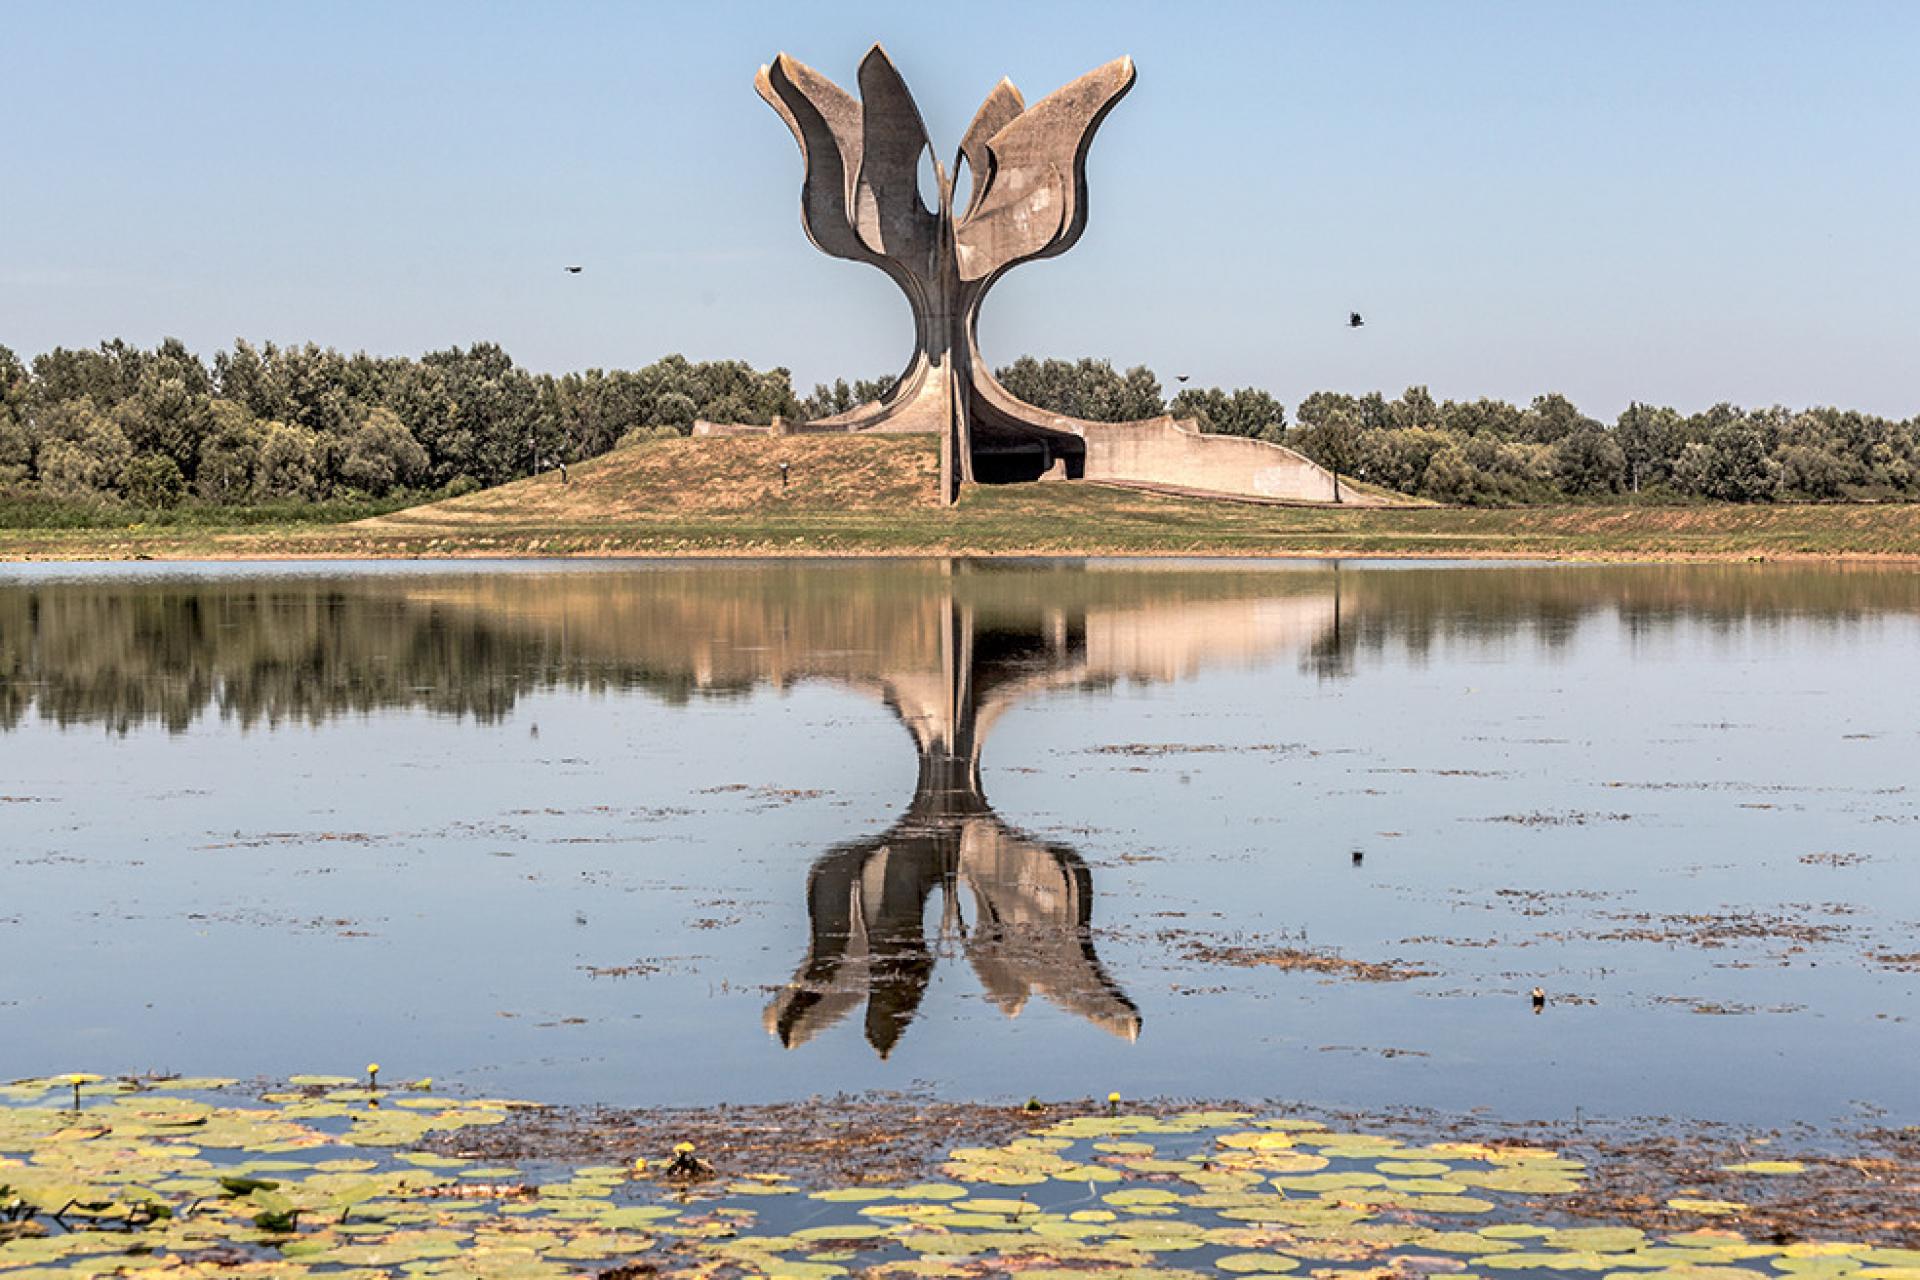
(825, 121)
(888, 213)
(1043, 149)
(996, 113)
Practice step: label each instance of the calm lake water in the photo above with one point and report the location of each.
(695, 832)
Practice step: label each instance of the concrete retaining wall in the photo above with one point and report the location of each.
(1171, 453)
(1165, 453)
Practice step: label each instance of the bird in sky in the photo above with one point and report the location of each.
(574, 271)
(1353, 320)
(1181, 377)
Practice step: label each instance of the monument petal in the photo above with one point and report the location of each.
(1039, 208)
(999, 110)
(826, 122)
(889, 215)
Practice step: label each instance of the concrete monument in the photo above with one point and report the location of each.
(860, 200)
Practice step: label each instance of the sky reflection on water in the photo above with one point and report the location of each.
(653, 834)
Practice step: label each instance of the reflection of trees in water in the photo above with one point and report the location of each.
(272, 653)
(272, 650)
(947, 646)
(1418, 611)
(296, 649)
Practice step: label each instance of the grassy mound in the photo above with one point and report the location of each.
(708, 475)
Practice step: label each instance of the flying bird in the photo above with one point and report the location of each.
(1353, 320)
(574, 271)
(1181, 377)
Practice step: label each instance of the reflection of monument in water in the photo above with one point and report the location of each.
(1018, 908)
(949, 646)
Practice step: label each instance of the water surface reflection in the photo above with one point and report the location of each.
(437, 810)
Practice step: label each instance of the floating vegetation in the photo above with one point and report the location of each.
(1328, 964)
(326, 1178)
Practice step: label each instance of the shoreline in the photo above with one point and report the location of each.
(1639, 1193)
(120, 554)
(1041, 523)
(1860, 1179)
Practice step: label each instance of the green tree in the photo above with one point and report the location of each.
(1334, 442)
(1551, 418)
(1589, 461)
(228, 454)
(1089, 389)
(1483, 417)
(1808, 471)
(486, 423)
(1650, 439)
(1510, 470)
(290, 463)
(1414, 408)
(1398, 458)
(83, 454)
(1247, 411)
(154, 480)
(167, 414)
(381, 455)
(104, 376)
(1732, 464)
(842, 397)
(1451, 476)
(1320, 404)
(675, 409)
(16, 437)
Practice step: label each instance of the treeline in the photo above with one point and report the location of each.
(257, 424)
(155, 428)
(1492, 452)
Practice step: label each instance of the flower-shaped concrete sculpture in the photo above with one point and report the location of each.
(861, 200)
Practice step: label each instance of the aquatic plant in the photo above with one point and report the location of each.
(187, 1178)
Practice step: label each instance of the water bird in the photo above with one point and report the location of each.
(1353, 320)
(686, 1166)
(1359, 856)
(574, 271)
(1539, 999)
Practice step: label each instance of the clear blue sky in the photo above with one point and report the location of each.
(1678, 202)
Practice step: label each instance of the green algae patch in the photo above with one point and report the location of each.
(330, 1179)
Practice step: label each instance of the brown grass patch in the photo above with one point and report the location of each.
(706, 475)
(1299, 960)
